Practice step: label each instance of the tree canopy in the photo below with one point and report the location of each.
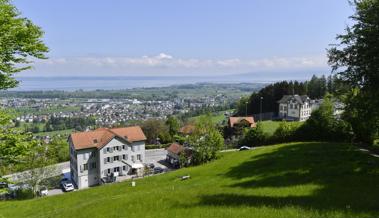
(20, 40)
(355, 59)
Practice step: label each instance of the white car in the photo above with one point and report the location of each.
(43, 191)
(243, 148)
(67, 185)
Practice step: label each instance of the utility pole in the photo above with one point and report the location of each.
(260, 114)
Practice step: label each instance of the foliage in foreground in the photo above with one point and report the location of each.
(291, 180)
(356, 61)
(20, 41)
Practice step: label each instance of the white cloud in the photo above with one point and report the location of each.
(166, 64)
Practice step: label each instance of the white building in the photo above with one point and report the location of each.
(103, 154)
(295, 107)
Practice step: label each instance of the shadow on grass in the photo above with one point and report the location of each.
(347, 180)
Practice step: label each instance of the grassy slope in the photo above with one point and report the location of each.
(270, 127)
(291, 180)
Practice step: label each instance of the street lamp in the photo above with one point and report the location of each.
(260, 114)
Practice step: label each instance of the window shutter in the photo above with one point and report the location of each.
(105, 151)
(105, 160)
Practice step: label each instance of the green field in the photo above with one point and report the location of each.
(64, 132)
(269, 127)
(289, 180)
(217, 117)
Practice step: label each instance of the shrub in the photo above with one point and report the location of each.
(254, 136)
(287, 131)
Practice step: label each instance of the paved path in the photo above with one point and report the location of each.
(156, 157)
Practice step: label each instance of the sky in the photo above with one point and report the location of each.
(185, 38)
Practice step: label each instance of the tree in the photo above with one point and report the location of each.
(323, 125)
(14, 145)
(254, 136)
(173, 125)
(355, 59)
(205, 141)
(39, 163)
(153, 128)
(20, 40)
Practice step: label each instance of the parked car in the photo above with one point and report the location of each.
(243, 148)
(3, 185)
(151, 165)
(158, 170)
(67, 185)
(43, 191)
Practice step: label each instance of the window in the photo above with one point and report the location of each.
(124, 168)
(93, 165)
(109, 159)
(116, 169)
(116, 158)
(109, 171)
(95, 141)
(139, 157)
(124, 156)
(133, 148)
(109, 149)
(132, 158)
(125, 147)
(93, 154)
(85, 166)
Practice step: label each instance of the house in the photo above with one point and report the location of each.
(96, 156)
(296, 107)
(174, 151)
(187, 129)
(241, 121)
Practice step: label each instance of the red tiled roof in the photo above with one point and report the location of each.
(235, 120)
(100, 137)
(175, 148)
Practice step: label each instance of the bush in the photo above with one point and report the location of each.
(322, 125)
(254, 136)
(22, 194)
(287, 131)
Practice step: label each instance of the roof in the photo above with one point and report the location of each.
(236, 120)
(301, 99)
(100, 137)
(187, 129)
(178, 148)
(175, 148)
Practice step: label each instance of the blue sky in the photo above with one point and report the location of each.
(194, 37)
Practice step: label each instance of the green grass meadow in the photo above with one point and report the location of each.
(288, 180)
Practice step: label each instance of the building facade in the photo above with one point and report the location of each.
(100, 155)
(296, 107)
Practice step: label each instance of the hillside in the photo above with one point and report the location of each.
(289, 180)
